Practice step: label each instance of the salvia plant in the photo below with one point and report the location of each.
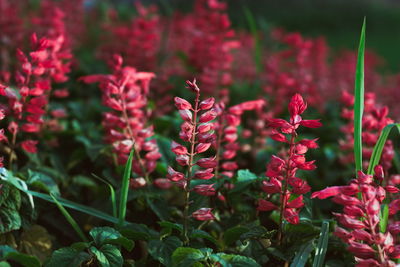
(107, 160)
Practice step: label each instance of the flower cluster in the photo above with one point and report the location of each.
(362, 199)
(126, 125)
(375, 118)
(226, 127)
(28, 103)
(197, 131)
(281, 172)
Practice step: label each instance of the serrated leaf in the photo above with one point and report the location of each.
(68, 257)
(108, 256)
(162, 250)
(9, 220)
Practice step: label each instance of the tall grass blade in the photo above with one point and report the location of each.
(254, 31)
(303, 254)
(359, 101)
(124, 190)
(112, 195)
(380, 144)
(322, 245)
(71, 220)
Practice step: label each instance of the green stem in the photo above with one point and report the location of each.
(189, 172)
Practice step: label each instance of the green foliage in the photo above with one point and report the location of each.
(322, 245)
(124, 190)
(9, 254)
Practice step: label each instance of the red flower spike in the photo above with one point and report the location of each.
(29, 146)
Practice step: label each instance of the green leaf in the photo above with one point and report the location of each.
(138, 232)
(10, 219)
(380, 144)
(303, 254)
(68, 257)
(8, 253)
(185, 256)
(322, 245)
(108, 256)
(124, 190)
(359, 101)
(43, 182)
(100, 234)
(384, 217)
(108, 235)
(4, 264)
(233, 234)
(202, 234)
(162, 250)
(245, 176)
(71, 220)
(234, 260)
(171, 225)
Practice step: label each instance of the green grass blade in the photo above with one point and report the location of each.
(71, 220)
(8, 176)
(112, 195)
(322, 245)
(380, 144)
(303, 254)
(124, 190)
(359, 101)
(254, 31)
(384, 217)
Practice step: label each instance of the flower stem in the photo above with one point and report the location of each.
(285, 186)
(189, 172)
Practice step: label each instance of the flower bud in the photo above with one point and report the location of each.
(207, 104)
(203, 214)
(182, 104)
